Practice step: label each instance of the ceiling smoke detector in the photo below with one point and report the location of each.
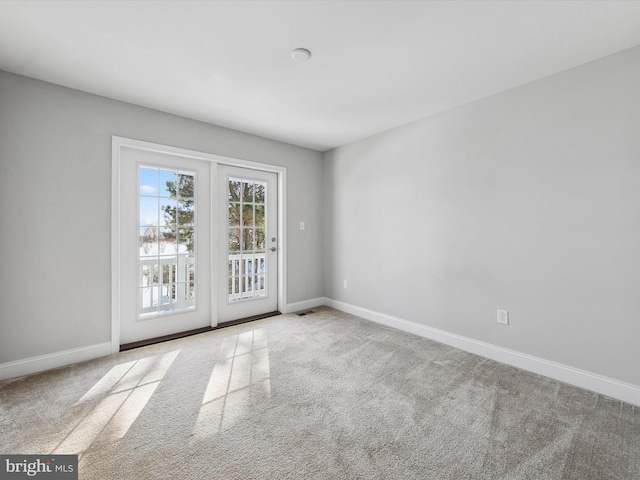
(300, 54)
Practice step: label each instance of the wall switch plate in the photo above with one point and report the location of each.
(503, 317)
(345, 284)
(301, 225)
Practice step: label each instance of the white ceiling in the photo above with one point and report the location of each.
(375, 64)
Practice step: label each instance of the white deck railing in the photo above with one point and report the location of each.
(246, 274)
(168, 284)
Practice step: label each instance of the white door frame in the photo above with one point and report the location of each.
(120, 142)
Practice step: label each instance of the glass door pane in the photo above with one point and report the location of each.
(246, 245)
(167, 240)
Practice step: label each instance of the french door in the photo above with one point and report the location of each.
(195, 242)
(248, 243)
(165, 282)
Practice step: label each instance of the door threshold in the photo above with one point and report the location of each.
(188, 333)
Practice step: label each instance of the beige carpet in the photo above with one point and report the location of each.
(326, 395)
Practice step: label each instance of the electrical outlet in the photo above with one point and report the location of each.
(503, 317)
(345, 284)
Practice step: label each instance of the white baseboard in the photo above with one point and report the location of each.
(574, 376)
(626, 392)
(305, 305)
(40, 363)
(58, 359)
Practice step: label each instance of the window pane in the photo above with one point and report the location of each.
(168, 183)
(146, 273)
(148, 181)
(259, 239)
(259, 219)
(234, 190)
(149, 297)
(148, 241)
(148, 211)
(153, 274)
(168, 211)
(167, 233)
(234, 214)
(190, 269)
(186, 241)
(247, 287)
(260, 264)
(247, 215)
(247, 265)
(234, 240)
(234, 265)
(186, 212)
(233, 285)
(191, 291)
(247, 192)
(169, 271)
(167, 241)
(168, 294)
(260, 192)
(247, 239)
(186, 186)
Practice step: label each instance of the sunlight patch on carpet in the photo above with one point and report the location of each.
(125, 389)
(240, 379)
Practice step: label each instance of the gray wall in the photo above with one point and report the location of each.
(527, 201)
(55, 208)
